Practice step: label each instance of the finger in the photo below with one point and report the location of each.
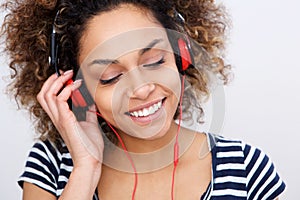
(55, 87)
(60, 82)
(44, 89)
(48, 83)
(65, 94)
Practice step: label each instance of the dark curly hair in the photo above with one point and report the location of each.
(28, 25)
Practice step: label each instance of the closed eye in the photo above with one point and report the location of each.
(114, 79)
(155, 64)
(110, 81)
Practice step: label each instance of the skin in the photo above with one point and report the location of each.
(88, 172)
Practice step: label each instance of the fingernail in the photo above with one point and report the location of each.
(77, 82)
(68, 72)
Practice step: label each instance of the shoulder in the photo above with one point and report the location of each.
(263, 180)
(227, 153)
(46, 166)
(247, 166)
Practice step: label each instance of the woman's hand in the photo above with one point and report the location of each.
(83, 139)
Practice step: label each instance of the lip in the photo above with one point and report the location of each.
(146, 105)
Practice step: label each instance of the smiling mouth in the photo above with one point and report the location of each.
(146, 111)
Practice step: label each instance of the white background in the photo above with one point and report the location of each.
(262, 102)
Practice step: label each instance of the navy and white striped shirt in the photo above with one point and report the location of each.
(239, 171)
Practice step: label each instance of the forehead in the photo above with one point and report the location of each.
(119, 27)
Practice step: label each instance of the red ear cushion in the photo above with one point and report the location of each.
(185, 55)
(77, 98)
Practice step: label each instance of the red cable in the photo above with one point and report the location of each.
(176, 145)
(128, 156)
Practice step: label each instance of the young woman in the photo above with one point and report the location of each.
(106, 82)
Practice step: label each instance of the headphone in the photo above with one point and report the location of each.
(81, 98)
(183, 53)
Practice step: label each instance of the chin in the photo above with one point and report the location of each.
(163, 132)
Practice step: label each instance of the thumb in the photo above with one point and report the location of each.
(91, 114)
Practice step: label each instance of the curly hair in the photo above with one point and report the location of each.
(28, 25)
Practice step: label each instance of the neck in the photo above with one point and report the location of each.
(140, 145)
(148, 155)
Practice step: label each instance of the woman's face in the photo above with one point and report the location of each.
(129, 68)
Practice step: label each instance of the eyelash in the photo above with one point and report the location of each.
(110, 81)
(161, 61)
(114, 79)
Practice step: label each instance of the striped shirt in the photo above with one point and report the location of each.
(239, 171)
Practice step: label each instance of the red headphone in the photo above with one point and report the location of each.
(185, 56)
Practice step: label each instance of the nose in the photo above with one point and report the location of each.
(143, 91)
(139, 84)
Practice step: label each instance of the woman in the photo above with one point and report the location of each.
(137, 66)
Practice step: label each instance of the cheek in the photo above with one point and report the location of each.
(103, 100)
(109, 104)
(101, 96)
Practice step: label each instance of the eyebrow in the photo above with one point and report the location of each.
(103, 62)
(141, 52)
(150, 46)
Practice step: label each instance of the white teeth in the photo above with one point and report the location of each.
(159, 104)
(147, 111)
(151, 110)
(136, 114)
(141, 113)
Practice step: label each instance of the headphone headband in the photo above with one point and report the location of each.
(53, 58)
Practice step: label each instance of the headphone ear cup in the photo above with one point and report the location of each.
(79, 96)
(78, 99)
(185, 54)
(86, 96)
